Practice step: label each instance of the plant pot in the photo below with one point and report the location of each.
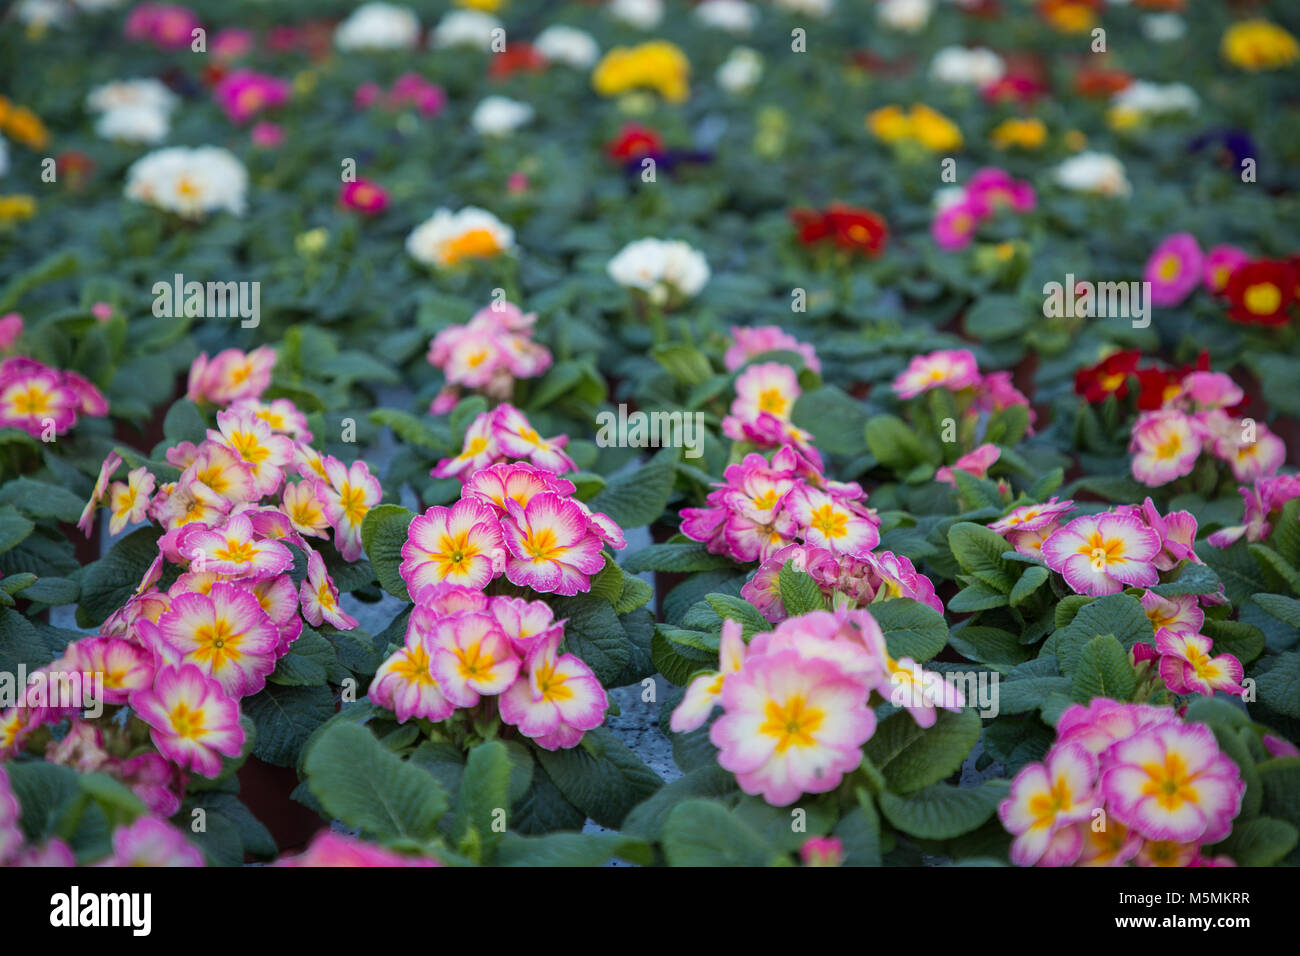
(265, 789)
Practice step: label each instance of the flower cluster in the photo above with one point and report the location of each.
(1259, 291)
(796, 701)
(181, 658)
(847, 580)
(920, 128)
(853, 230)
(44, 401)
(513, 519)
(189, 182)
(1128, 546)
(658, 66)
(667, 272)
(1113, 376)
(500, 435)
(167, 26)
(761, 507)
(989, 191)
(148, 841)
(976, 396)
(244, 94)
(1123, 783)
(409, 91)
(1168, 441)
(463, 647)
(487, 354)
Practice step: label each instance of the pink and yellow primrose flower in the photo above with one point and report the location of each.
(1046, 800)
(1165, 446)
(1220, 263)
(234, 550)
(833, 523)
(953, 369)
(977, 463)
(1178, 614)
(404, 684)
(225, 634)
(125, 667)
(457, 545)
(1174, 269)
(704, 691)
(472, 657)
(36, 398)
(352, 492)
(480, 449)
(222, 470)
(1187, 667)
(792, 725)
(517, 482)
(192, 720)
(518, 439)
(550, 546)
(1103, 554)
(328, 848)
(230, 375)
(320, 598)
(106, 470)
(264, 452)
(304, 503)
(1171, 782)
(558, 701)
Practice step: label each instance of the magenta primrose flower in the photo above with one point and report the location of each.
(1103, 554)
(1174, 269)
(193, 721)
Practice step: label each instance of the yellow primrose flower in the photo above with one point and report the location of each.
(487, 6)
(17, 208)
(889, 124)
(1076, 141)
(304, 82)
(1120, 118)
(1015, 133)
(1258, 45)
(20, 123)
(657, 65)
(933, 130)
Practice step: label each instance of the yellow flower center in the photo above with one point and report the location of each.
(792, 723)
(1263, 298)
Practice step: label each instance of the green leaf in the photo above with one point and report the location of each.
(1262, 841)
(1285, 609)
(1280, 780)
(977, 597)
(364, 785)
(184, 422)
(594, 633)
(14, 527)
(639, 496)
(1116, 614)
(894, 443)
(1103, 671)
(911, 629)
(1279, 686)
(979, 552)
(484, 795)
(383, 533)
(109, 582)
(38, 499)
(703, 833)
(601, 777)
(912, 757)
(285, 718)
(571, 849)
(676, 557)
(648, 818)
(835, 419)
(799, 592)
(990, 645)
(1243, 641)
(1279, 565)
(942, 811)
(1194, 579)
(740, 610)
(1030, 581)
